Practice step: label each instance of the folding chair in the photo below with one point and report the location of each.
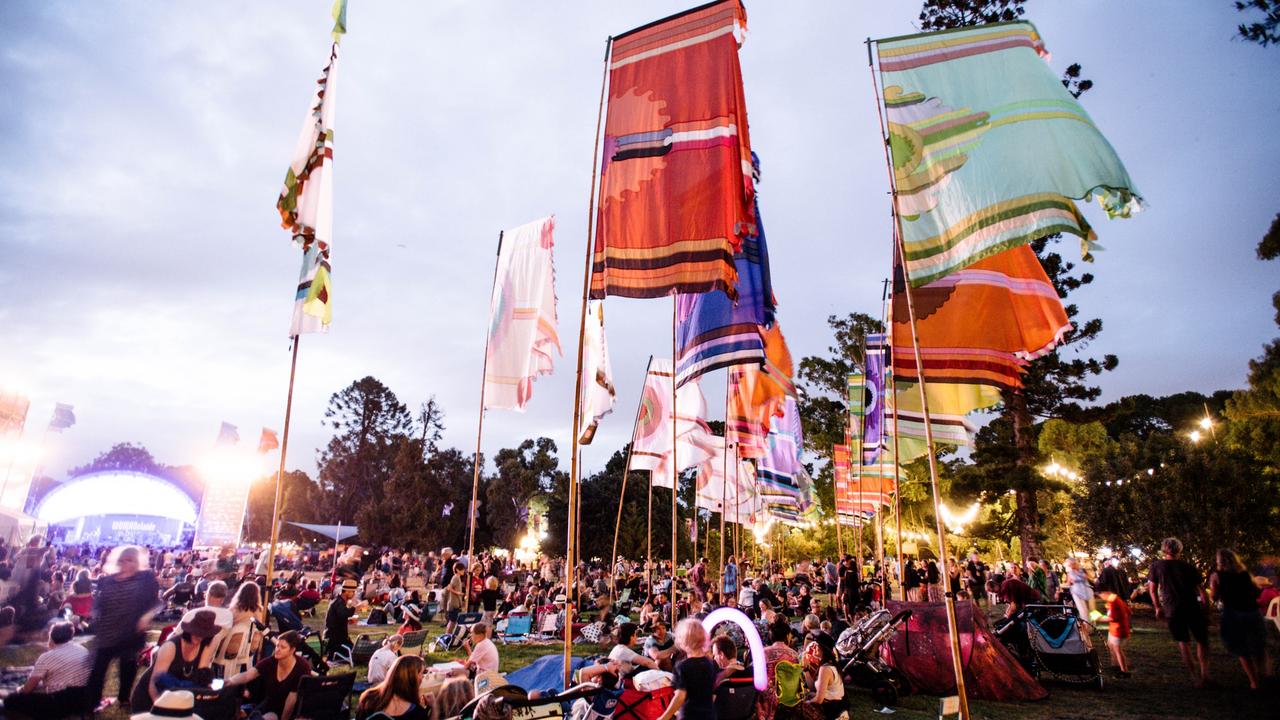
(364, 649)
(325, 697)
(518, 628)
(416, 639)
(548, 626)
(1273, 611)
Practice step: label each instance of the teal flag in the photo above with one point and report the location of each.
(989, 149)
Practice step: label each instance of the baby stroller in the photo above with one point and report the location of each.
(859, 652)
(1057, 646)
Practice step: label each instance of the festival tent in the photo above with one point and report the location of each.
(991, 672)
(16, 527)
(338, 532)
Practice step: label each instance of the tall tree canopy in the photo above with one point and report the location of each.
(355, 466)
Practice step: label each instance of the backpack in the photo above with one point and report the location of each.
(788, 682)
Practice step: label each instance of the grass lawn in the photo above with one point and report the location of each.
(1159, 688)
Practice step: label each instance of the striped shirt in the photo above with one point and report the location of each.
(66, 665)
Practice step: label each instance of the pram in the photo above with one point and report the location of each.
(527, 708)
(859, 651)
(1048, 639)
(453, 641)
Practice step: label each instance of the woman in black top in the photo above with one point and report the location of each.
(1242, 628)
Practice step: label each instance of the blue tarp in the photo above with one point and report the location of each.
(545, 674)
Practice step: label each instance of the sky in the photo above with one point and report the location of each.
(144, 277)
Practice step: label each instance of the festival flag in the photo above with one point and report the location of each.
(306, 202)
(1021, 315)
(651, 446)
(989, 148)
(522, 316)
(857, 384)
(13, 410)
(675, 187)
(713, 331)
(268, 441)
(778, 467)
(64, 416)
(734, 495)
(228, 434)
(757, 395)
(599, 395)
(873, 405)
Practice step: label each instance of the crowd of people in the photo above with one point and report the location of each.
(217, 609)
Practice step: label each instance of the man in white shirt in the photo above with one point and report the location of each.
(382, 660)
(57, 685)
(483, 655)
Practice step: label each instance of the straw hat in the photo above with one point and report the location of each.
(489, 681)
(171, 705)
(350, 584)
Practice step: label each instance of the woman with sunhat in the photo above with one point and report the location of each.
(186, 659)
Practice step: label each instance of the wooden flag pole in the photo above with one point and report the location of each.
(472, 512)
(675, 472)
(724, 485)
(900, 254)
(284, 447)
(626, 471)
(571, 548)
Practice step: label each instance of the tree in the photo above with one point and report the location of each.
(1266, 31)
(944, 14)
(1253, 414)
(523, 473)
(299, 502)
(355, 466)
(121, 456)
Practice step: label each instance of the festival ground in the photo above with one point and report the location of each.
(1159, 687)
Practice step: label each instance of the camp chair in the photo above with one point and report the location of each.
(1273, 611)
(216, 704)
(364, 649)
(416, 639)
(548, 626)
(325, 697)
(430, 609)
(735, 698)
(518, 628)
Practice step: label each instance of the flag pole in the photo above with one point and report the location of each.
(284, 448)
(577, 391)
(675, 465)
(900, 253)
(475, 473)
(724, 485)
(887, 354)
(626, 471)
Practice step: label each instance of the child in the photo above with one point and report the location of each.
(695, 676)
(1119, 632)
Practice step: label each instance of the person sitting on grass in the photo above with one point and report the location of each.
(627, 658)
(57, 683)
(725, 653)
(281, 674)
(397, 696)
(660, 646)
(382, 660)
(483, 654)
(453, 696)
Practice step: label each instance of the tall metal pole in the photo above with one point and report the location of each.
(472, 513)
(570, 546)
(284, 448)
(626, 471)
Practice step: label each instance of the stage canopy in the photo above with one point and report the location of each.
(337, 532)
(115, 492)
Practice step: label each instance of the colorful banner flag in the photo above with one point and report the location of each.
(715, 332)
(651, 446)
(599, 395)
(734, 494)
(873, 422)
(676, 129)
(306, 202)
(228, 434)
(989, 148)
(522, 316)
(857, 384)
(13, 410)
(1021, 318)
(64, 416)
(268, 441)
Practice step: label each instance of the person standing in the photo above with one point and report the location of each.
(1081, 589)
(848, 588)
(1242, 629)
(128, 597)
(1176, 593)
(694, 677)
(1118, 631)
(729, 583)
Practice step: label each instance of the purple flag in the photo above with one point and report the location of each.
(874, 407)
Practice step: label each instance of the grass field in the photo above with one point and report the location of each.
(1159, 688)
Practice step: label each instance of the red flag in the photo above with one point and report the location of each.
(675, 189)
(268, 441)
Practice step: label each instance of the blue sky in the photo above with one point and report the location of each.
(145, 278)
